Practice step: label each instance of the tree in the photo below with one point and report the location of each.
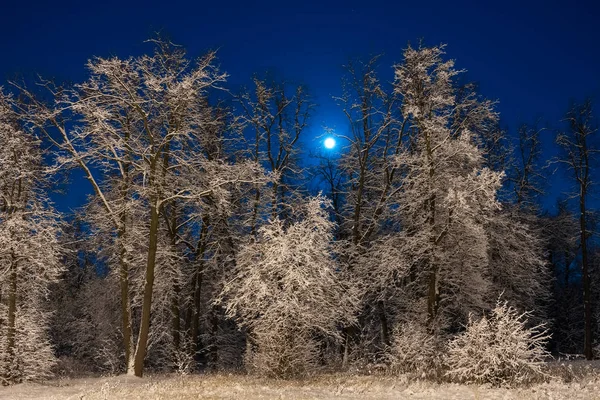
(447, 194)
(30, 254)
(286, 290)
(369, 184)
(517, 244)
(518, 261)
(329, 179)
(375, 136)
(579, 153)
(526, 175)
(278, 120)
(561, 232)
(142, 120)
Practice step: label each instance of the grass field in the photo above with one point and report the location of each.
(580, 382)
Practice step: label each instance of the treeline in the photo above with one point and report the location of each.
(201, 246)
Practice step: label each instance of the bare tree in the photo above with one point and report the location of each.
(368, 181)
(278, 119)
(561, 232)
(579, 152)
(376, 135)
(527, 176)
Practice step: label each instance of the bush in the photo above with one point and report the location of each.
(414, 350)
(500, 350)
(281, 352)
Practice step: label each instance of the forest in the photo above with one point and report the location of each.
(214, 240)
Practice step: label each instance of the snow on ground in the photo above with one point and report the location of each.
(326, 387)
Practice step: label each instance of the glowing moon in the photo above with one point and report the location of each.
(330, 143)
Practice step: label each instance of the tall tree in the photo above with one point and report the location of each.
(447, 194)
(368, 185)
(376, 135)
(142, 119)
(526, 175)
(579, 152)
(29, 254)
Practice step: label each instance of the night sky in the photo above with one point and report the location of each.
(534, 57)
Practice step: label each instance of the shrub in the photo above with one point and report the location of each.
(281, 352)
(414, 350)
(499, 349)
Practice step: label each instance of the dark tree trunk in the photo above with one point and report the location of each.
(12, 313)
(385, 335)
(140, 353)
(587, 305)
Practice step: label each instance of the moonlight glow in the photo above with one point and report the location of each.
(330, 143)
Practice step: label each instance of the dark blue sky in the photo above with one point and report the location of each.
(532, 56)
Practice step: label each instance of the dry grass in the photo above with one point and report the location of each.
(335, 386)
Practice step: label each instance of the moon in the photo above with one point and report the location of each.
(329, 143)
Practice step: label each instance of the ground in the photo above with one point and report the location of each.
(347, 387)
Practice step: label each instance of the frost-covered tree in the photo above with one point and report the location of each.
(29, 254)
(140, 138)
(416, 351)
(447, 194)
(428, 240)
(287, 292)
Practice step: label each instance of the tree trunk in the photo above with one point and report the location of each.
(140, 352)
(433, 294)
(587, 305)
(176, 321)
(214, 349)
(197, 310)
(125, 306)
(385, 335)
(255, 212)
(175, 308)
(346, 334)
(197, 346)
(433, 284)
(12, 313)
(275, 204)
(126, 311)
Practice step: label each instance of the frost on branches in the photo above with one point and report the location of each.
(191, 256)
(29, 255)
(447, 194)
(147, 139)
(287, 293)
(500, 349)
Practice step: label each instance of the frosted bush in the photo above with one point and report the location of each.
(282, 353)
(414, 350)
(499, 349)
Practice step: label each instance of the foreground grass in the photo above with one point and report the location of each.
(339, 386)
